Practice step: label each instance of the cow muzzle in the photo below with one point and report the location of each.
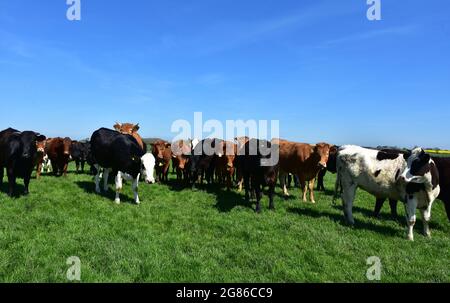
(322, 165)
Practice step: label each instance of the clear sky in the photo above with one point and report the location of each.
(320, 67)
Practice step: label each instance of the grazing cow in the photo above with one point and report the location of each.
(40, 148)
(303, 160)
(331, 167)
(130, 129)
(258, 162)
(181, 151)
(163, 154)
(58, 151)
(202, 160)
(443, 167)
(412, 179)
(117, 152)
(79, 153)
(225, 163)
(18, 154)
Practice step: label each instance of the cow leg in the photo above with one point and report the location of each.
(82, 166)
(410, 209)
(348, 196)
(311, 190)
(426, 216)
(258, 193)
(54, 168)
(393, 205)
(77, 165)
(26, 183)
(282, 179)
(97, 179)
(105, 178)
(247, 187)
(1, 175)
(135, 189)
(271, 193)
(304, 187)
(446, 203)
(11, 181)
(39, 169)
(378, 205)
(65, 166)
(119, 186)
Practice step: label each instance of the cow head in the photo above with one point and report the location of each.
(27, 143)
(159, 148)
(126, 128)
(148, 168)
(229, 152)
(420, 169)
(181, 151)
(67, 144)
(322, 152)
(40, 146)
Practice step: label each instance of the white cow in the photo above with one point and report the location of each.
(391, 176)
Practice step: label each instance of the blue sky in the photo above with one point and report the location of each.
(320, 67)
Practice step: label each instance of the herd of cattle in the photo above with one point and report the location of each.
(410, 176)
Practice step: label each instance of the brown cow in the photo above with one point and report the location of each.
(181, 151)
(58, 151)
(303, 160)
(225, 164)
(130, 129)
(40, 147)
(162, 152)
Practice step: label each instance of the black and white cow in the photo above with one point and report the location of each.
(410, 178)
(258, 161)
(120, 153)
(18, 154)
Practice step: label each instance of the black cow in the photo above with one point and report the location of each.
(258, 162)
(79, 153)
(120, 153)
(202, 160)
(18, 154)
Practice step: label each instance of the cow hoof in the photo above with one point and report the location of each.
(427, 234)
(117, 201)
(313, 202)
(98, 191)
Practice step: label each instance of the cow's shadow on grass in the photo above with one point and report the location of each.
(89, 187)
(339, 218)
(18, 190)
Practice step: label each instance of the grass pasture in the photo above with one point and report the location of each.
(180, 235)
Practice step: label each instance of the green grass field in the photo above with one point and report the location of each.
(180, 235)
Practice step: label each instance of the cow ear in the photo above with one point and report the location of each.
(117, 126)
(136, 128)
